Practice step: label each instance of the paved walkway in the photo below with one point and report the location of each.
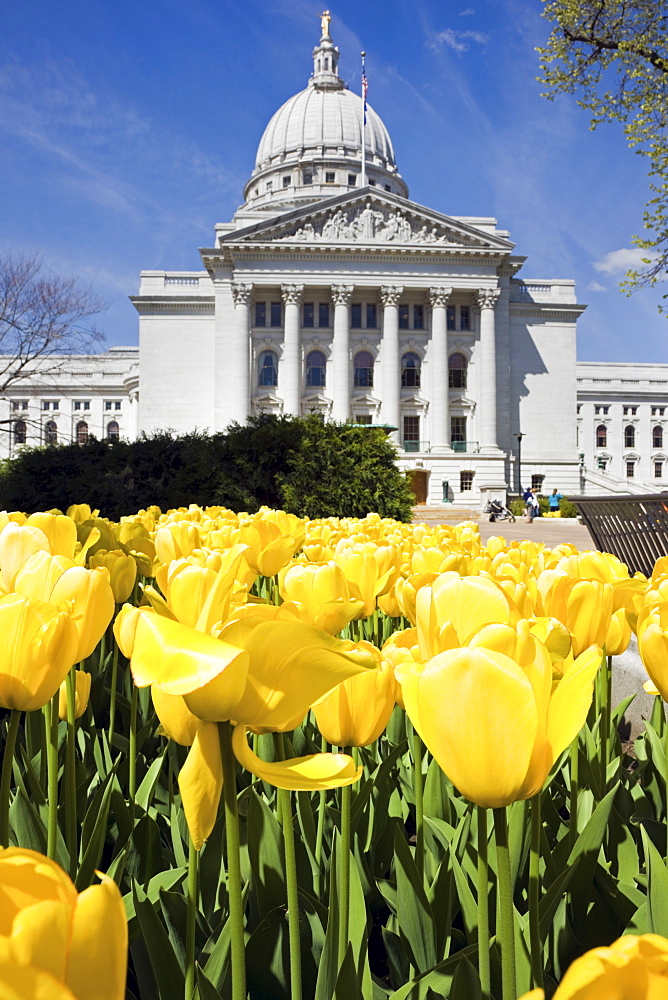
(551, 530)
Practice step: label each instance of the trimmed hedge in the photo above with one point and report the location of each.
(305, 466)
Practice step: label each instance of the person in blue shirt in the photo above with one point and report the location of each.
(553, 501)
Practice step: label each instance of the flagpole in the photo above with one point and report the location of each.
(363, 184)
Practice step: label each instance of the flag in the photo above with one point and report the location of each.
(365, 87)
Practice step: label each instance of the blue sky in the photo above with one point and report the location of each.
(127, 130)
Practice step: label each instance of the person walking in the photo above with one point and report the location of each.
(554, 500)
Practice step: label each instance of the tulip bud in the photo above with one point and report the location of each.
(82, 694)
(122, 572)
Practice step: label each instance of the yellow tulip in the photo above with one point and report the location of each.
(269, 549)
(18, 543)
(82, 681)
(632, 968)
(80, 512)
(300, 774)
(585, 607)
(61, 532)
(367, 576)
(175, 717)
(322, 592)
(619, 633)
(122, 571)
(197, 595)
(496, 727)
(176, 540)
(356, 712)
(653, 644)
(39, 645)
(46, 927)
(454, 607)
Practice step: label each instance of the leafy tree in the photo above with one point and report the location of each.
(614, 55)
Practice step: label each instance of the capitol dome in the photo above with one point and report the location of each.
(312, 146)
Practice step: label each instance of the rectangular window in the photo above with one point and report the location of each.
(86, 404)
(24, 404)
(658, 470)
(107, 405)
(464, 318)
(55, 405)
(387, 187)
(77, 404)
(308, 315)
(286, 181)
(46, 405)
(117, 405)
(15, 404)
(465, 481)
(260, 313)
(373, 183)
(356, 315)
(270, 185)
(330, 177)
(323, 314)
(352, 180)
(308, 178)
(418, 317)
(458, 433)
(537, 482)
(403, 317)
(450, 312)
(371, 316)
(363, 418)
(276, 314)
(411, 433)
(630, 469)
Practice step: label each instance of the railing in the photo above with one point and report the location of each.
(465, 446)
(416, 445)
(635, 529)
(181, 281)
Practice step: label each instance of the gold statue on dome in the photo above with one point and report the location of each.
(325, 18)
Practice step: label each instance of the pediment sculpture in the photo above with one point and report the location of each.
(369, 224)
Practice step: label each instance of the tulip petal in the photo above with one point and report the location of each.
(301, 774)
(571, 700)
(476, 712)
(97, 965)
(180, 659)
(40, 936)
(201, 783)
(18, 983)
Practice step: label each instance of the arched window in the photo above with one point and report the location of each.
(410, 370)
(268, 369)
(20, 432)
(601, 436)
(629, 436)
(316, 367)
(82, 432)
(457, 366)
(657, 437)
(113, 430)
(50, 432)
(364, 369)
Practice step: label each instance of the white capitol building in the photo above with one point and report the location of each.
(331, 291)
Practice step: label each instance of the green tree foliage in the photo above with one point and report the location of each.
(614, 55)
(303, 465)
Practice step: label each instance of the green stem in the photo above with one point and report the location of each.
(534, 893)
(112, 695)
(191, 920)
(132, 763)
(344, 869)
(666, 780)
(6, 781)
(236, 917)
(52, 772)
(575, 778)
(285, 801)
(605, 719)
(417, 751)
(505, 933)
(70, 776)
(320, 831)
(483, 906)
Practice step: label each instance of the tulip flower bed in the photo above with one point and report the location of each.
(259, 756)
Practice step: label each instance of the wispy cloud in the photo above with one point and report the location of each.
(622, 260)
(595, 286)
(458, 41)
(467, 12)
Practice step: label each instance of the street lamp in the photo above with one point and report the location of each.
(519, 437)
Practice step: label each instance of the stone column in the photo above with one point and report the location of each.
(341, 294)
(290, 370)
(390, 295)
(240, 352)
(440, 392)
(486, 299)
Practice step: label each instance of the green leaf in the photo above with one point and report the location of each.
(465, 982)
(147, 787)
(657, 889)
(414, 913)
(167, 972)
(25, 821)
(347, 984)
(94, 833)
(439, 979)
(266, 856)
(164, 880)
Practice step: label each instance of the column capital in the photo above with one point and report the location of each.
(390, 294)
(486, 297)
(342, 294)
(241, 293)
(292, 294)
(438, 296)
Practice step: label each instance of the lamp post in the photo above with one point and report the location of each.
(519, 437)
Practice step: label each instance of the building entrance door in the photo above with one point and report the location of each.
(418, 484)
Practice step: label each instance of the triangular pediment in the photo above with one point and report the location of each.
(366, 399)
(367, 218)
